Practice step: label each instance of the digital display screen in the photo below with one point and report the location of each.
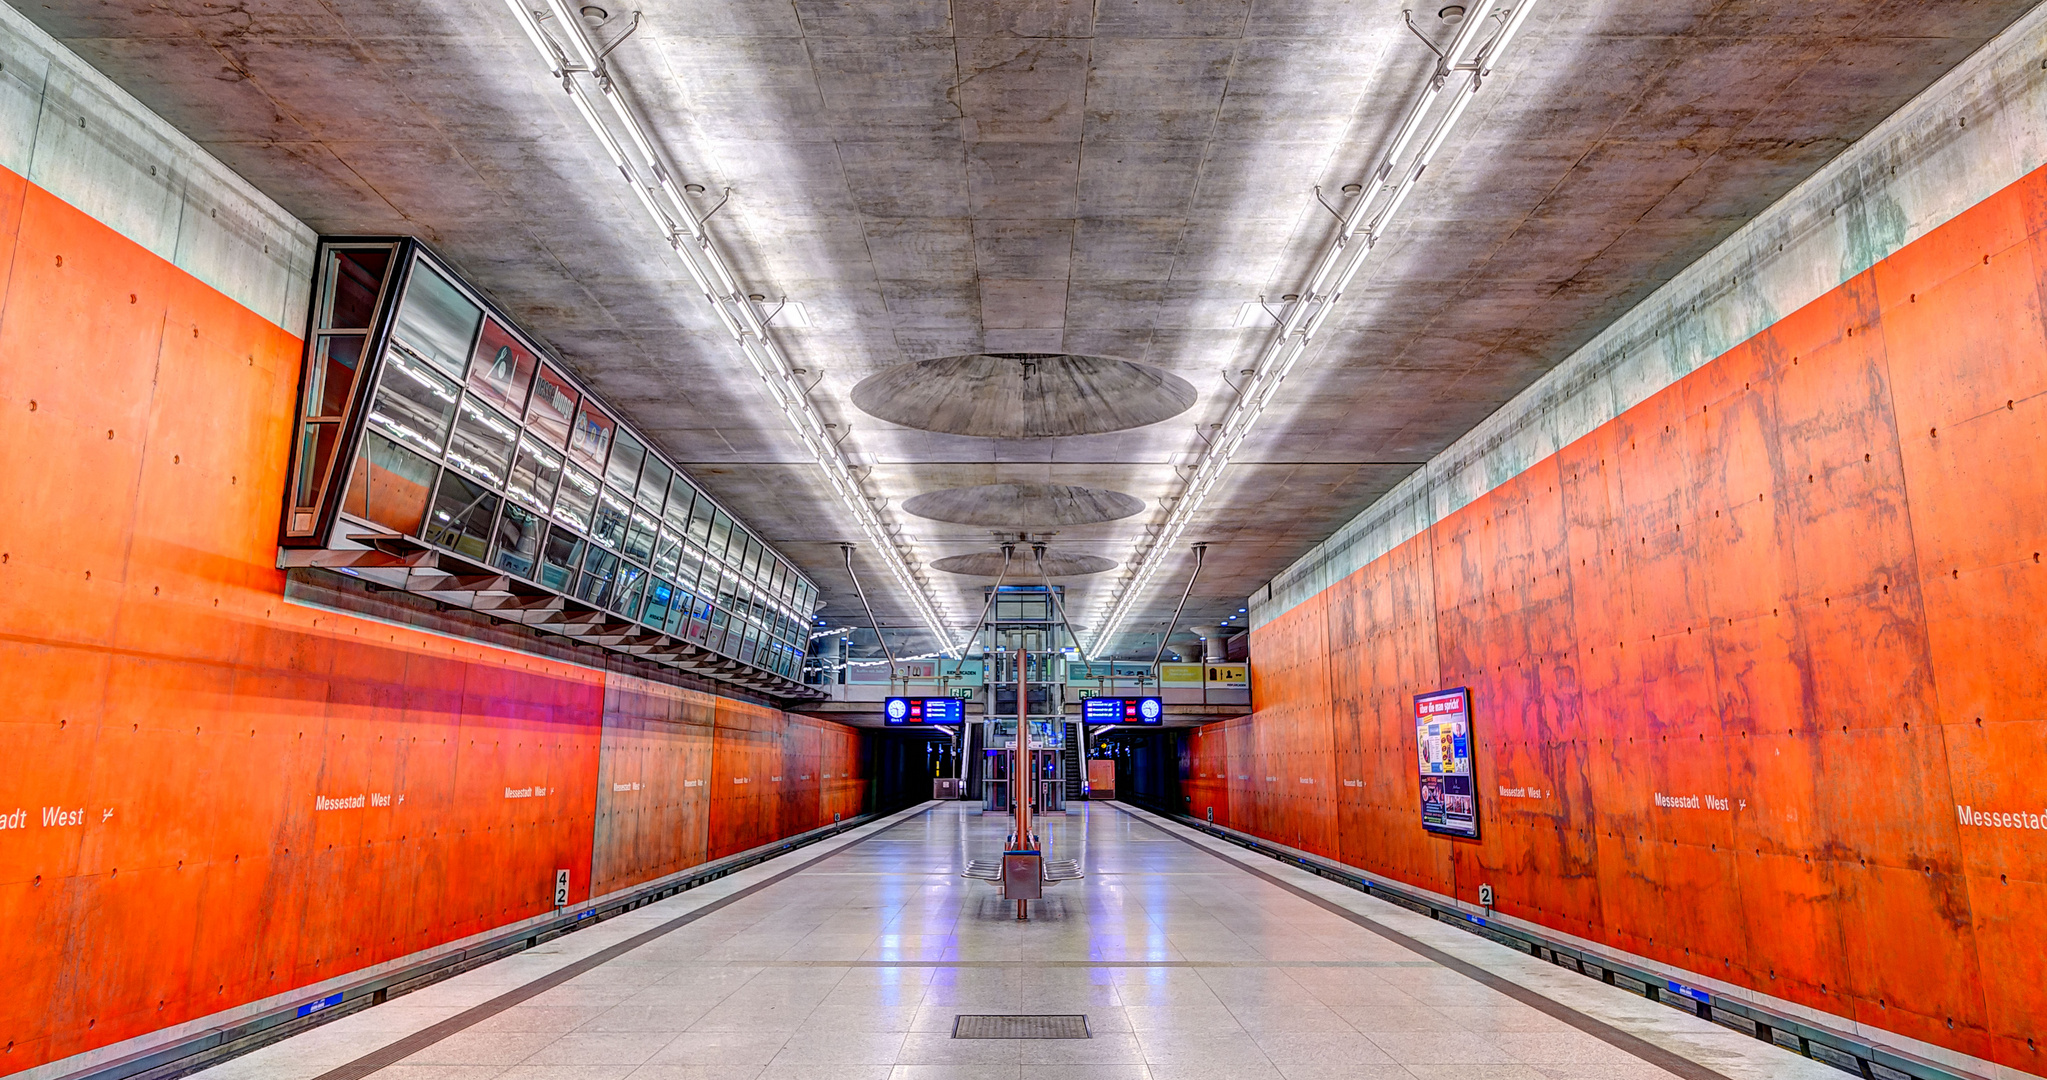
(1122, 710)
(1442, 728)
(924, 710)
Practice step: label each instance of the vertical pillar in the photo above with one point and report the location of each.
(1020, 771)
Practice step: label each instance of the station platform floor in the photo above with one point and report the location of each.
(850, 959)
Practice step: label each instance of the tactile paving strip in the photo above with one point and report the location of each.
(1032, 1026)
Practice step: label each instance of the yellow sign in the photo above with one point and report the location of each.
(1230, 676)
(1179, 674)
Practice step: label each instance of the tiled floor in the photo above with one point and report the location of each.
(853, 969)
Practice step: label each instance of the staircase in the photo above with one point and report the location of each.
(1073, 763)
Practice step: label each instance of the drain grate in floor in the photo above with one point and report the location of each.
(1039, 1026)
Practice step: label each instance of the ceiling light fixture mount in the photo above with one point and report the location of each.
(579, 64)
(1460, 71)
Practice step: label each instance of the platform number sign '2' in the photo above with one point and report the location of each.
(1449, 789)
(561, 888)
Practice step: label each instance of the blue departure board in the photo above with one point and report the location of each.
(1122, 710)
(924, 710)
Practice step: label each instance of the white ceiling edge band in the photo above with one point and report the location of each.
(1369, 214)
(646, 171)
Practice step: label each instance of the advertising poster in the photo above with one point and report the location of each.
(1442, 727)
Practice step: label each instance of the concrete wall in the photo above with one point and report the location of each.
(71, 132)
(1748, 598)
(217, 801)
(1973, 133)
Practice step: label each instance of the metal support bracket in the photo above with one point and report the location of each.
(620, 40)
(1333, 211)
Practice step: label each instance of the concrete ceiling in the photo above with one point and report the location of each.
(1113, 179)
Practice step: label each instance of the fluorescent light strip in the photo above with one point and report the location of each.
(577, 62)
(1363, 226)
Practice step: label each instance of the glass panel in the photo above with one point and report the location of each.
(626, 454)
(776, 576)
(678, 619)
(436, 321)
(700, 521)
(600, 574)
(654, 477)
(630, 578)
(613, 515)
(552, 406)
(676, 514)
(316, 445)
(463, 511)
(689, 565)
(750, 646)
(389, 485)
(721, 532)
(517, 547)
(535, 472)
(560, 558)
(719, 622)
(353, 278)
(639, 537)
(415, 406)
(660, 604)
(667, 552)
(334, 371)
(699, 626)
(502, 368)
(752, 564)
(482, 446)
(578, 496)
(590, 437)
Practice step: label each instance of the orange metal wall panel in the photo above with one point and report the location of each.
(653, 783)
(1742, 661)
(187, 728)
(748, 777)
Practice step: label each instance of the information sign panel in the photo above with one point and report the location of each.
(1442, 725)
(1122, 710)
(924, 710)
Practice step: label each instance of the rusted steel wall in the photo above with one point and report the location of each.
(1797, 594)
(215, 799)
(653, 782)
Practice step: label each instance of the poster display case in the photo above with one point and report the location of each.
(1443, 743)
(438, 448)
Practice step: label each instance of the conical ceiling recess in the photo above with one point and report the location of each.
(1024, 568)
(1023, 507)
(1023, 395)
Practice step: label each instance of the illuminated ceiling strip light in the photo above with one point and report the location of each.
(1363, 226)
(646, 172)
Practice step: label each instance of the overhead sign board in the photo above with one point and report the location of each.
(1442, 728)
(924, 710)
(1122, 710)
